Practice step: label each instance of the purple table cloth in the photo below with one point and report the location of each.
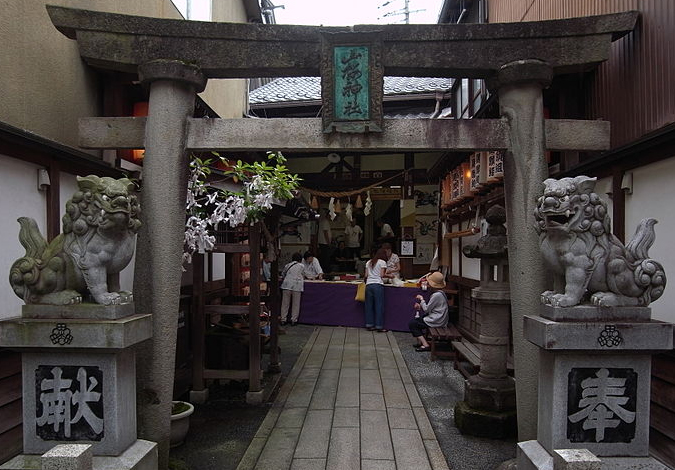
(325, 303)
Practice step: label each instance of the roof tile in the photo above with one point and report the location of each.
(289, 89)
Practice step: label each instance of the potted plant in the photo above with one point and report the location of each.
(180, 421)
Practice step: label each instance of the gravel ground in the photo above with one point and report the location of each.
(440, 387)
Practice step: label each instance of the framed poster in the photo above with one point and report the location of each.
(426, 228)
(425, 253)
(407, 248)
(426, 199)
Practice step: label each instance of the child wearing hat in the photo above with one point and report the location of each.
(435, 312)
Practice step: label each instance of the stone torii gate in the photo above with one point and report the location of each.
(175, 58)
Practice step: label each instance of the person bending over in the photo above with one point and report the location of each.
(434, 314)
(312, 267)
(292, 286)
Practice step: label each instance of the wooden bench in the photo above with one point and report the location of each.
(446, 334)
(467, 358)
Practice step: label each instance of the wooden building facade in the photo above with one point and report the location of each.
(635, 91)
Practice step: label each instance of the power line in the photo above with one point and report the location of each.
(405, 11)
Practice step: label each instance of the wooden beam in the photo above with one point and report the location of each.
(306, 134)
(226, 309)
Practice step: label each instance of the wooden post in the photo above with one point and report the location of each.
(53, 201)
(618, 205)
(197, 322)
(254, 310)
(274, 303)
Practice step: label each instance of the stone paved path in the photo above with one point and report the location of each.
(348, 404)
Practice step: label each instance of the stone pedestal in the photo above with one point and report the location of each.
(594, 382)
(79, 381)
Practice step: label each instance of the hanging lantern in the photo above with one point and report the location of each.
(314, 204)
(359, 203)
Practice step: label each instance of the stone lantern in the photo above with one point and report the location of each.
(489, 406)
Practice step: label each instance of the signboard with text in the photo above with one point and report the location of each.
(351, 83)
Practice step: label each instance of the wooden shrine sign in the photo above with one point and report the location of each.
(352, 81)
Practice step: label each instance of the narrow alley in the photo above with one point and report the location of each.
(349, 403)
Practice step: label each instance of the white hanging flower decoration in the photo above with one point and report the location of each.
(331, 208)
(262, 185)
(368, 204)
(348, 211)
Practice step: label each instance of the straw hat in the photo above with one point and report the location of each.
(436, 280)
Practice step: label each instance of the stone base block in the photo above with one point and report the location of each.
(532, 456)
(484, 423)
(81, 311)
(608, 336)
(255, 398)
(199, 397)
(575, 459)
(598, 402)
(79, 398)
(490, 394)
(141, 455)
(81, 333)
(582, 313)
(68, 457)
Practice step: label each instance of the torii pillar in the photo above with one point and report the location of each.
(521, 103)
(173, 88)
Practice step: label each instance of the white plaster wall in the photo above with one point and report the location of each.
(20, 198)
(602, 187)
(67, 187)
(653, 196)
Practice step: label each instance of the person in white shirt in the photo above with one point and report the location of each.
(353, 233)
(376, 270)
(393, 261)
(312, 266)
(324, 238)
(292, 286)
(386, 233)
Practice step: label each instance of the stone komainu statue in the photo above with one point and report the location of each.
(577, 244)
(96, 244)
